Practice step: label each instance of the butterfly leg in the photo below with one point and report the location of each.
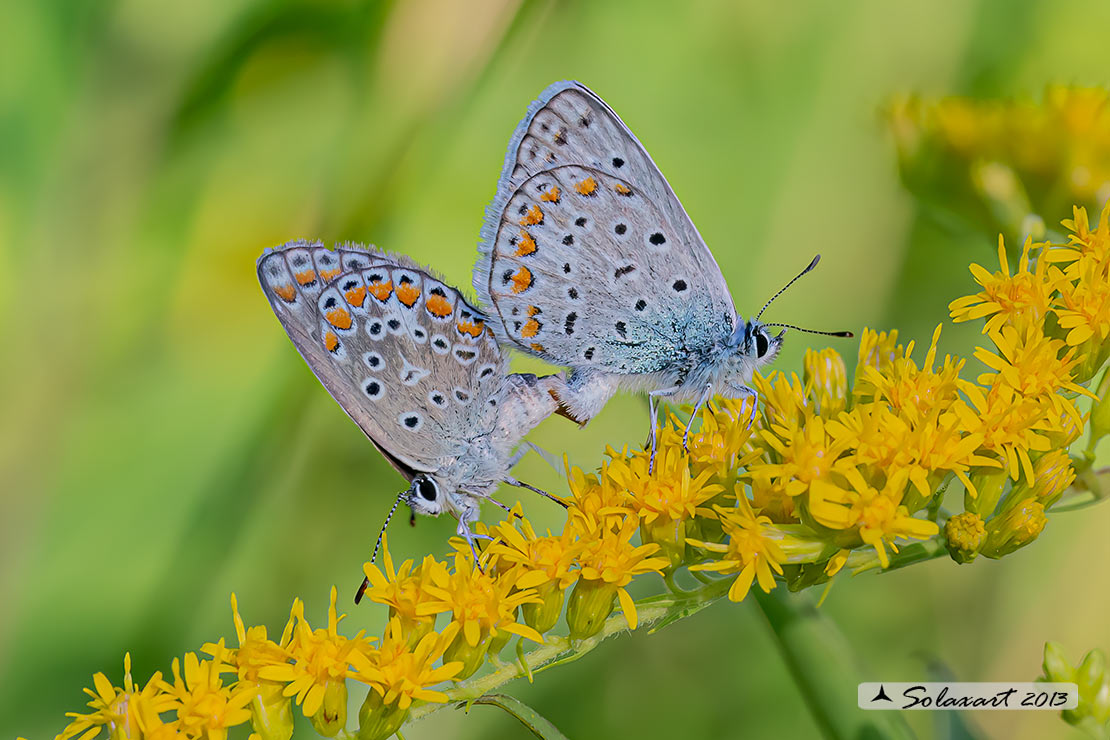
(545, 494)
(752, 394)
(653, 412)
(471, 537)
(693, 414)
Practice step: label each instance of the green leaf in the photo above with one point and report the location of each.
(530, 718)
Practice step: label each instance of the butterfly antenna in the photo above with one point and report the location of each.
(845, 334)
(783, 288)
(378, 544)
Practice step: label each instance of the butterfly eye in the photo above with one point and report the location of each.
(427, 489)
(761, 344)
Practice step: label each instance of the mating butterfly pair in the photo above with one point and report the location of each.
(587, 260)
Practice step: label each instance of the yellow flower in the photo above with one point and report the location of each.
(271, 715)
(749, 552)
(1023, 298)
(1085, 312)
(597, 501)
(547, 564)
(321, 664)
(405, 591)
(125, 712)
(1010, 426)
(806, 453)
(549, 559)
(399, 674)
(1030, 363)
(479, 603)
(910, 391)
(877, 350)
(721, 444)
(205, 707)
(926, 450)
(877, 515)
(784, 400)
(666, 498)
(608, 561)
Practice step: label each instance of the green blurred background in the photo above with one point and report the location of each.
(162, 444)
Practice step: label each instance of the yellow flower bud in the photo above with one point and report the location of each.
(542, 616)
(964, 534)
(1052, 474)
(376, 720)
(271, 712)
(1014, 529)
(826, 381)
(332, 715)
(471, 656)
(591, 603)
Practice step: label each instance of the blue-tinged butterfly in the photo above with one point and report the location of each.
(588, 260)
(414, 365)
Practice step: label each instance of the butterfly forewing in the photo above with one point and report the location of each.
(589, 260)
(399, 350)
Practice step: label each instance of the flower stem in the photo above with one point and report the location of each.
(560, 650)
(824, 667)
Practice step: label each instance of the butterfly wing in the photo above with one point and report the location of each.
(401, 352)
(587, 257)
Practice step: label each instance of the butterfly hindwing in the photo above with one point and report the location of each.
(588, 258)
(404, 354)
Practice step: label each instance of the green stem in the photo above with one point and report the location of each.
(824, 667)
(559, 650)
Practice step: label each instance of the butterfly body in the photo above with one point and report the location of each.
(588, 261)
(413, 364)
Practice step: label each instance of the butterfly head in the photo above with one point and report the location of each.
(751, 347)
(426, 495)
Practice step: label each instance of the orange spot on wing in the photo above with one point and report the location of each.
(471, 328)
(537, 346)
(622, 189)
(327, 275)
(551, 196)
(522, 280)
(305, 277)
(286, 292)
(340, 318)
(381, 291)
(531, 329)
(533, 310)
(438, 306)
(356, 296)
(586, 187)
(526, 245)
(331, 342)
(407, 293)
(533, 217)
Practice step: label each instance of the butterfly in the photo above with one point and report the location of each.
(414, 365)
(587, 260)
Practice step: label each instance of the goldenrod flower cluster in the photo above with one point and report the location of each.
(824, 474)
(1011, 153)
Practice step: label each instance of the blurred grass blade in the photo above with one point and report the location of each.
(524, 714)
(825, 669)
